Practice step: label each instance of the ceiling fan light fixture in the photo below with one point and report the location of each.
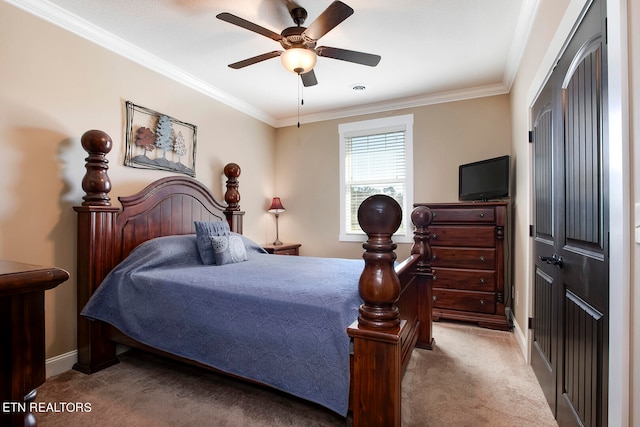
(298, 60)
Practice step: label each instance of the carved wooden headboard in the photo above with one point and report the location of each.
(107, 234)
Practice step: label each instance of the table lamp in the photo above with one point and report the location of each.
(275, 208)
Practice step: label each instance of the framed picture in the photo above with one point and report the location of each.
(157, 141)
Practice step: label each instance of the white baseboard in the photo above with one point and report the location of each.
(61, 363)
(521, 339)
(64, 362)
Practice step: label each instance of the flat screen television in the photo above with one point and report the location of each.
(484, 180)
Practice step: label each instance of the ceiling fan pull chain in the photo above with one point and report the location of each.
(300, 102)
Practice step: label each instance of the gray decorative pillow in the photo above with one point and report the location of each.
(204, 231)
(228, 249)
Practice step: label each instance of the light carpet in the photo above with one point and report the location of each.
(473, 377)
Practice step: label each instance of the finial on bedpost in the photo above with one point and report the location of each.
(379, 216)
(421, 218)
(96, 183)
(232, 196)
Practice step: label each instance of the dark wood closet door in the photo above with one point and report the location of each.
(571, 289)
(544, 352)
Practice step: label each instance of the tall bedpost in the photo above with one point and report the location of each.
(96, 219)
(421, 218)
(379, 284)
(232, 197)
(377, 334)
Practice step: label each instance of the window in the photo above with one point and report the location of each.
(376, 157)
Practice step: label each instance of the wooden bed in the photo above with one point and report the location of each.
(394, 318)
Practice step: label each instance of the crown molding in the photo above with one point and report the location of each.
(398, 104)
(54, 14)
(85, 29)
(524, 26)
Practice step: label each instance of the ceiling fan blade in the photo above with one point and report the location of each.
(236, 20)
(328, 20)
(309, 79)
(349, 55)
(255, 59)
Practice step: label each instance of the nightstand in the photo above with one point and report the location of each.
(283, 249)
(22, 353)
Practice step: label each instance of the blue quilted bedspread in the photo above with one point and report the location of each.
(278, 320)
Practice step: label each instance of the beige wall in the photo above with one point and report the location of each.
(445, 136)
(55, 86)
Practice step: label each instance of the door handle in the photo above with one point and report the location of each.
(553, 260)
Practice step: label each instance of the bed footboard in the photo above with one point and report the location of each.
(384, 334)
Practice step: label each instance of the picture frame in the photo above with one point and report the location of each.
(158, 141)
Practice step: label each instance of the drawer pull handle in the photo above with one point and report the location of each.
(434, 214)
(434, 236)
(434, 257)
(482, 280)
(434, 298)
(434, 277)
(482, 259)
(481, 214)
(481, 302)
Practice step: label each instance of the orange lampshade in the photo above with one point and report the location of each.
(276, 206)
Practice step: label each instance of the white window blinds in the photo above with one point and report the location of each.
(374, 164)
(376, 157)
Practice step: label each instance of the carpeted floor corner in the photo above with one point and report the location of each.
(473, 377)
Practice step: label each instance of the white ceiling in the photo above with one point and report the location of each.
(432, 50)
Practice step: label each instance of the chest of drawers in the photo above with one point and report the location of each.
(468, 262)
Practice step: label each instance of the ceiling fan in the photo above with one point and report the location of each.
(299, 42)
